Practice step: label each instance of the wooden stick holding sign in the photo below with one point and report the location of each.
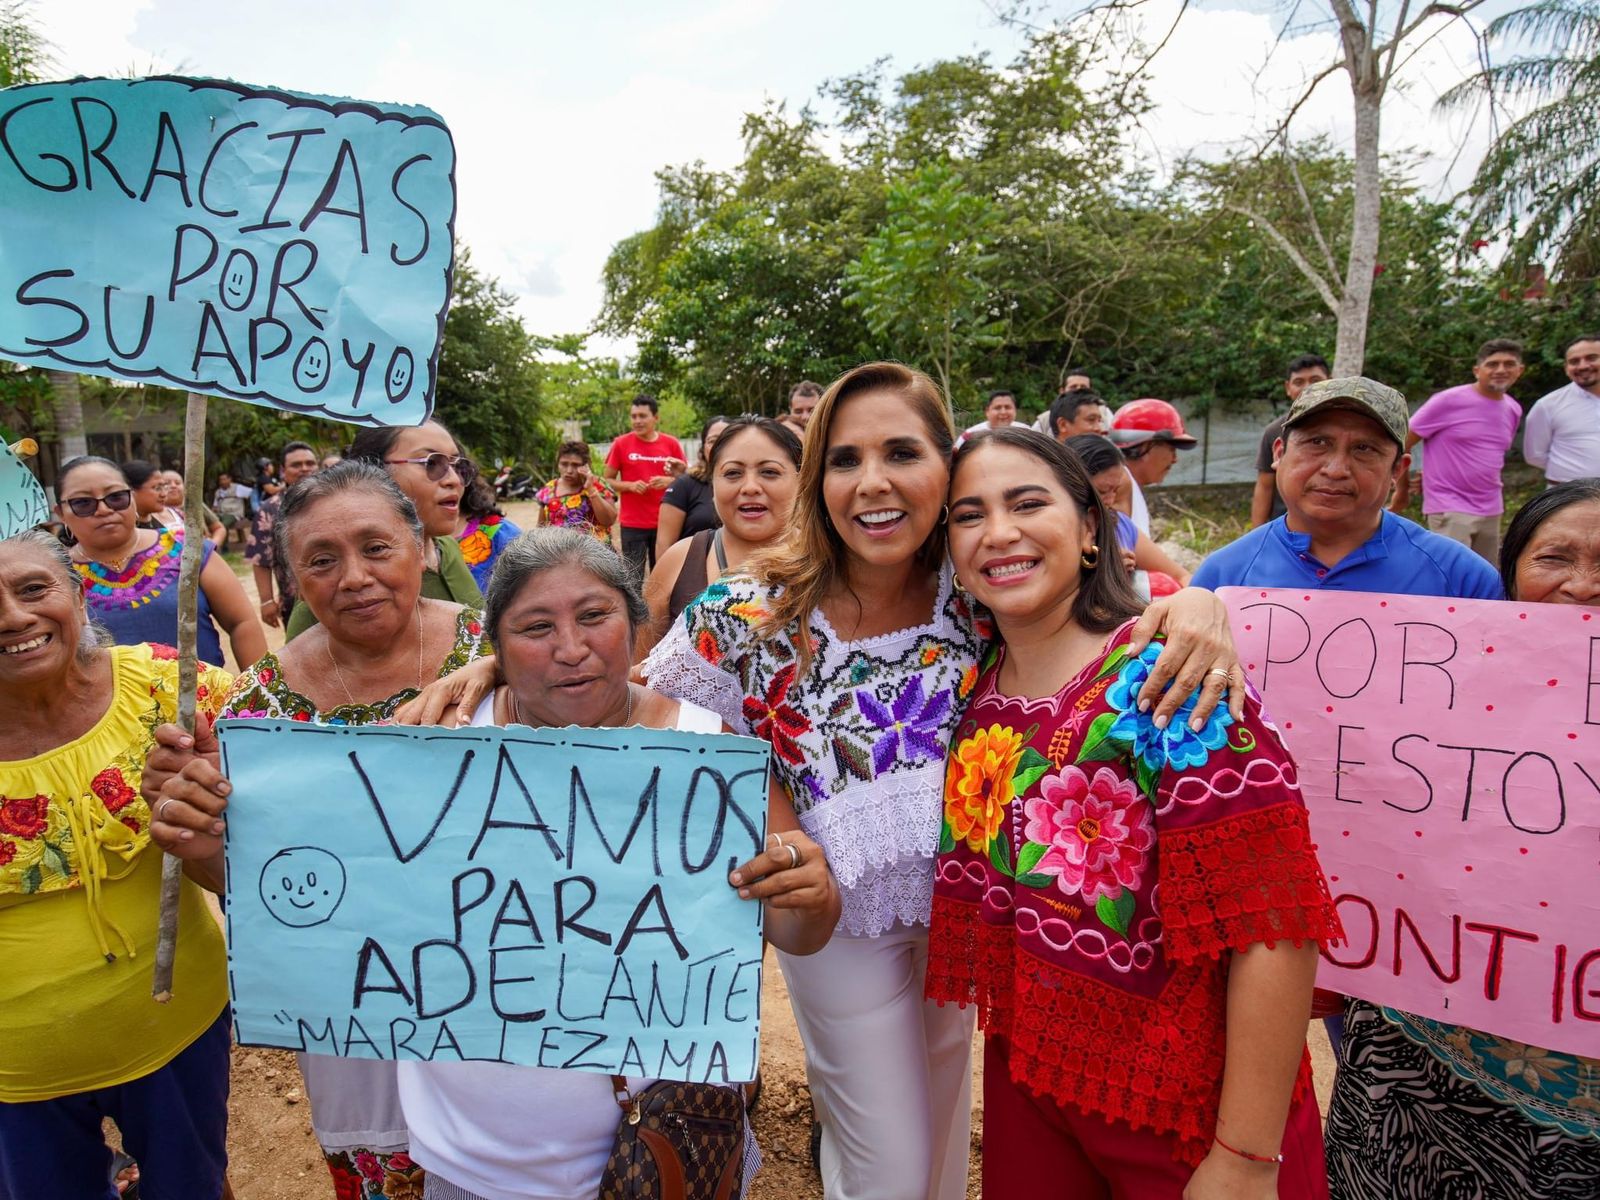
(194, 532)
(309, 292)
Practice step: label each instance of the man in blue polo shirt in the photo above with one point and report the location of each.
(1342, 450)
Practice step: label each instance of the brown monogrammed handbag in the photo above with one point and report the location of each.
(676, 1141)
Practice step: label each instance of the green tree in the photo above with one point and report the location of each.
(1539, 180)
(25, 53)
(923, 279)
(488, 386)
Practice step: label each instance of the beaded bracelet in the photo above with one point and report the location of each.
(1276, 1159)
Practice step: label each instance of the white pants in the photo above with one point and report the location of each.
(890, 1072)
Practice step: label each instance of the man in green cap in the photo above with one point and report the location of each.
(1342, 450)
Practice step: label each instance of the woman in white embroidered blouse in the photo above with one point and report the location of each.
(859, 710)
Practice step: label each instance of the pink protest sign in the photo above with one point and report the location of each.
(1449, 751)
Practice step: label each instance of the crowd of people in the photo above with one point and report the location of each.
(979, 677)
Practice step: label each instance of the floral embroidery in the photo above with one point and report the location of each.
(141, 580)
(859, 738)
(112, 789)
(1099, 954)
(574, 510)
(262, 693)
(1097, 833)
(482, 542)
(1533, 1064)
(38, 852)
(374, 1175)
(1177, 745)
(978, 785)
(476, 545)
(912, 726)
(24, 817)
(706, 647)
(779, 722)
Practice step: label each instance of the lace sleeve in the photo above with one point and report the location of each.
(1238, 865)
(675, 668)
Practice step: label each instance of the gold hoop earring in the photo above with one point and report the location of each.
(955, 582)
(1090, 558)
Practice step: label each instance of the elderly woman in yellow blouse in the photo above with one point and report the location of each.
(81, 1038)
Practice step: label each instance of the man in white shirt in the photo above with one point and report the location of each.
(1562, 434)
(999, 410)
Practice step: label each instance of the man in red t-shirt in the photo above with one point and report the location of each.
(642, 464)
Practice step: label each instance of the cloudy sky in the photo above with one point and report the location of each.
(562, 112)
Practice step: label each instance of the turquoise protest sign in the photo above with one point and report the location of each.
(556, 898)
(292, 251)
(22, 500)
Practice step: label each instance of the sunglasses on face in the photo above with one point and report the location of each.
(436, 464)
(86, 506)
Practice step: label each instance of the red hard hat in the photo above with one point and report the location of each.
(1149, 420)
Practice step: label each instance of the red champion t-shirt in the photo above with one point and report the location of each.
(637, 460)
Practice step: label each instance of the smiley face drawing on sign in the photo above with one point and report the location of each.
(302, 886)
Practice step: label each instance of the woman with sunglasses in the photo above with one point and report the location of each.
(130, 575)
(427, 465)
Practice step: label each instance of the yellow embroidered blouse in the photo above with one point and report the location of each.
(79, 893)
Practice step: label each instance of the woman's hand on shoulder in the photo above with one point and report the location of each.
(452, 700)
(1199, 656)
(173, 750)
(792, 878)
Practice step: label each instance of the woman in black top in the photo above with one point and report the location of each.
(687, 508)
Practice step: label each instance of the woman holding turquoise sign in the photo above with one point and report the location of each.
(79, 886)
(355, 545)
(563, 612)
(1422, 1106)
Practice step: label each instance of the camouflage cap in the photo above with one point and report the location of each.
(1358, 394)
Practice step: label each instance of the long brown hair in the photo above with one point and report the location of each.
(1105, 596)
(810, 562)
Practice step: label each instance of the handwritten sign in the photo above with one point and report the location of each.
(551, 897)
(1449, 751)
(292, 251)
(22, 501)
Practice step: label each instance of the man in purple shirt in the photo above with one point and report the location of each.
(1465, 432)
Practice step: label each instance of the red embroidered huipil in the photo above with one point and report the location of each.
(1093, 872)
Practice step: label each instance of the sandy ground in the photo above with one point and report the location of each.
(272, 1155)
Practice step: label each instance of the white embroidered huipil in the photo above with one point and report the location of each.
(859, 741)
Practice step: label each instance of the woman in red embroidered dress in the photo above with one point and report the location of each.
(1117, 898)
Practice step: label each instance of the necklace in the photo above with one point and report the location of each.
(516, 710)
(116, 562)
(339, 675)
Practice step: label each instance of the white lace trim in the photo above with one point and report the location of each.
(870, 826)
(675, 669)
(937, 624)
(900, 895)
